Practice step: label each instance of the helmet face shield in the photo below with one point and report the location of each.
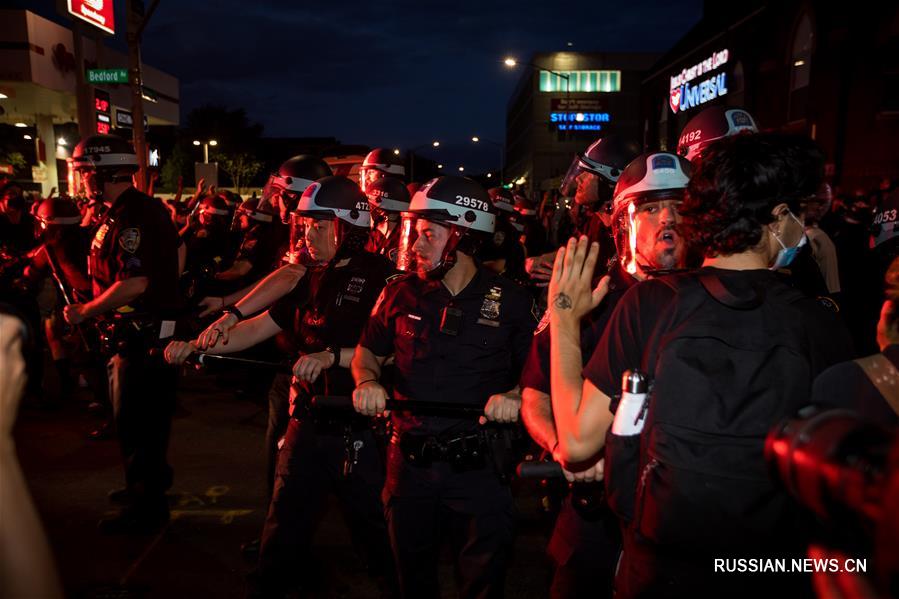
(91, 183)
(405, 258)
(278, 194)
(313, 238)
(646, 232)
(580, 169)
(368, 175)
(297, 252)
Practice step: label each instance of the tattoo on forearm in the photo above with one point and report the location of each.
(562, 301)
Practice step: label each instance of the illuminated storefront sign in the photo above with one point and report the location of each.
(102, 108)
(691, 88)
(99, 13)
(578, 121)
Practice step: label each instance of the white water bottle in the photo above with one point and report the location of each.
(631, 413)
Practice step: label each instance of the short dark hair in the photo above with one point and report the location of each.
(739, 181)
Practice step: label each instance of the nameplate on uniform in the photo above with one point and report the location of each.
(166, 329)
(489, 323)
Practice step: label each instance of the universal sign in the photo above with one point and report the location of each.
(686, 93)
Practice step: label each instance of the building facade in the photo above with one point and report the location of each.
(827, 70)
(563, 102)
(38, 88)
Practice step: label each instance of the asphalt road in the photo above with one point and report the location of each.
(216, 502)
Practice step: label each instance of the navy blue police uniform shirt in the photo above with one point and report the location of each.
(483, 358)
(536, 373)
(262, 246)
(137, 238)
(632, 327)
(329, 308)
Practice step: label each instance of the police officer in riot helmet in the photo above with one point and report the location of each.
(710, 125)
(459, 334)
(590, 180)
(211, 245)
(504, 253)
(61, 256)
(284, 188)
(585, 546)
(325, 314)
(263, 237)
(16, 222)
(378, 164)
(388, 198)
(535, 236)
(134, 270)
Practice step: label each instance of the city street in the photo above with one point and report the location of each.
(216, 504)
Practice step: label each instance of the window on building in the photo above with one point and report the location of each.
(580, 81)
(800, 67)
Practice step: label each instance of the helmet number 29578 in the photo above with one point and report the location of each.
(472, 203)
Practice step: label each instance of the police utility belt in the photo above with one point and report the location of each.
(463, 451)
(126, 332)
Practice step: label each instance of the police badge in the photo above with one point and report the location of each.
(491, 307)
(129, 239)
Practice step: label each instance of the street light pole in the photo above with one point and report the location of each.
(206, 145)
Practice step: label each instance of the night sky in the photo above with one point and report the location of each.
(395, 74)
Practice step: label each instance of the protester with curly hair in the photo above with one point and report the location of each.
(730, 350)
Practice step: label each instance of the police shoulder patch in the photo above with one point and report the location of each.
(129, 239)
(828, 304)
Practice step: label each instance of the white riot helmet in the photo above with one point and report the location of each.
(333, 198)
(455, 202)
(651, 177)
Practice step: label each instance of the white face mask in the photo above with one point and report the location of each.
(787, 255)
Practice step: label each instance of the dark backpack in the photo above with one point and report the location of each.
(724, 369)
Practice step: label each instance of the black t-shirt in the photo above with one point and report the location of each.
(485, 357)
(329, 308)
(846, 386)
(536, 374)
(643, 307)
(137, 238)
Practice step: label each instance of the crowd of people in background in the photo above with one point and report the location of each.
(728, 274)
